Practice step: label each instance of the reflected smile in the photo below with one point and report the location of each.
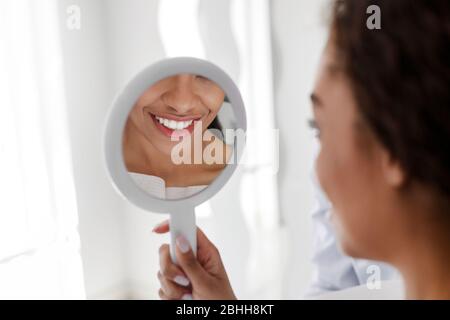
(175, 126)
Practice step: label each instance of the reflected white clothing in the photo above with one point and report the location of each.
(333, 270)
(156, 186)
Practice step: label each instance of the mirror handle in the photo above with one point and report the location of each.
(183, 222)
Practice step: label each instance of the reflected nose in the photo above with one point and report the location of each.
(181, 99)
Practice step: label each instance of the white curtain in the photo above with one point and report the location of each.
(39, 242)
(259, 187)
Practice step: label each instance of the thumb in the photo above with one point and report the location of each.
(188, 262)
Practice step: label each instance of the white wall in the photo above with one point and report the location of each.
(299, 33)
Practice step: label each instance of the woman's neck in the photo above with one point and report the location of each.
(425, 260)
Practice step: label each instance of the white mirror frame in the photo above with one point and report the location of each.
(181, 210)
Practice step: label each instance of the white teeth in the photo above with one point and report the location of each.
(174, 125)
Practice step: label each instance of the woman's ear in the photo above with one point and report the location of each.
(392, 171)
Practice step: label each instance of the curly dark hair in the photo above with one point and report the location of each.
(400, 75)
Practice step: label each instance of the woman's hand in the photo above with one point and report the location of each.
(202, 278)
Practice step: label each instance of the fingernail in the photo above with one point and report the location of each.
(186, 297)
(182, 281)
(182, 244)
(159, 225)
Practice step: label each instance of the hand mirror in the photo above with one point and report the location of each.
(173, 137)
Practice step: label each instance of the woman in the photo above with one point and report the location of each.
(382, 109)
(172, 123)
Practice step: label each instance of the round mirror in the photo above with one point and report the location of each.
(179, 136)
(174, 136)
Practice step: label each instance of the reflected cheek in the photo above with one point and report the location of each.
(213, 110)
(137, 119)
(214, 105)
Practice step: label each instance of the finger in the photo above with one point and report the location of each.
(203, 243)
(170, 270)
(202, 240)
(188, 262)
(162, 227)
(162, 295)
(171, 289)
(208, 255)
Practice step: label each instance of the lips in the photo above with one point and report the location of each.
(172, 126)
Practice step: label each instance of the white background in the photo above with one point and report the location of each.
(118, 38)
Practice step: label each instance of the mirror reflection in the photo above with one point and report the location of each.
(175, 139)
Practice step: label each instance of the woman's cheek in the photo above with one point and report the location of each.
(323, 172)
(329, 181)
(331, 176)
